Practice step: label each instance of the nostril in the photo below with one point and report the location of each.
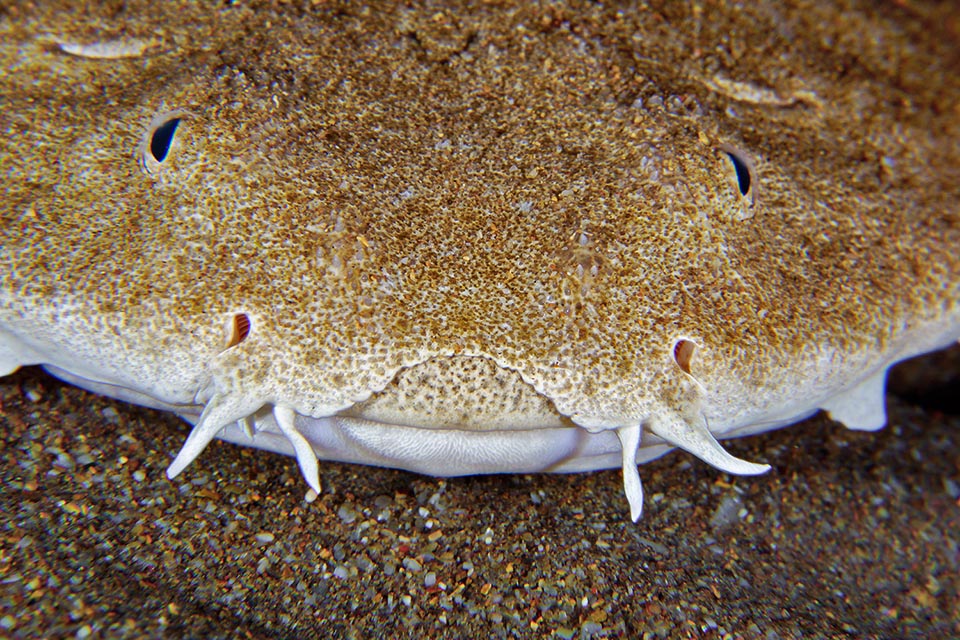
(239, 329)
(683, 352)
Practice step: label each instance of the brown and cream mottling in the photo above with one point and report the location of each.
(481, 216)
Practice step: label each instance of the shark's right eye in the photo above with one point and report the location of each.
(162, 138)
(159, 141)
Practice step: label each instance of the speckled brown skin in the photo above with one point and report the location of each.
(547, 187)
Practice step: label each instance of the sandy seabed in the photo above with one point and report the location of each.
(852, 534)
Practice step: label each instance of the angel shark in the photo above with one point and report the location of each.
(462, 238)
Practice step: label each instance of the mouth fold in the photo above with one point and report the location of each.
(468, 393)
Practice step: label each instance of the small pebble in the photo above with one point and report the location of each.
(347, 513)
(727, 512)
(952, 488)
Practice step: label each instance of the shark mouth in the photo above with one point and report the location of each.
(442, 433)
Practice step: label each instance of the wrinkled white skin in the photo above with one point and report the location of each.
(854, 395)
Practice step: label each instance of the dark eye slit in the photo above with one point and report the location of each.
(743, 173)
(162, 138)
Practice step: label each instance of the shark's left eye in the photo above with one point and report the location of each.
(743, 180)
(743, 171)
(162, 138)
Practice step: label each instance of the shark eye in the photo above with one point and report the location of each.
(162, 138)
(158, 141)
(743, 171)
(744, 174)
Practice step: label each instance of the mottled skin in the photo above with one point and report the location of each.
(487, 218)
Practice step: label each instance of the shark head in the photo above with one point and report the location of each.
(473, 241)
